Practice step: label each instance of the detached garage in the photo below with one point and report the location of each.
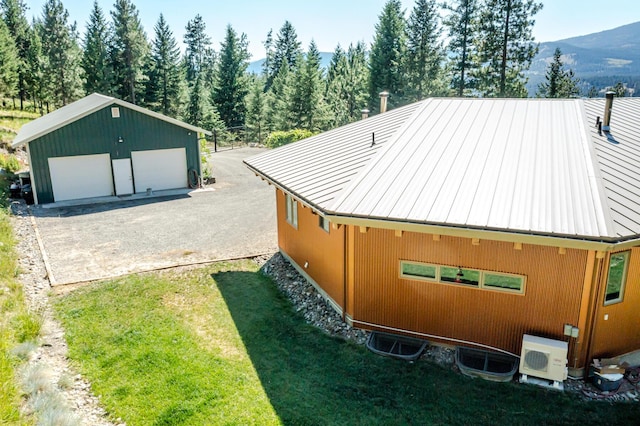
(101, 146)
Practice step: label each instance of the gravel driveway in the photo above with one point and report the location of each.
(236, 219)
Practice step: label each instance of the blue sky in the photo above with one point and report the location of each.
(330, 22)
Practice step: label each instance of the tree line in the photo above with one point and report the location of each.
(489, 45)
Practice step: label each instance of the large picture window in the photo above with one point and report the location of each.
(292, 210)
(618, 265)
(487, 280)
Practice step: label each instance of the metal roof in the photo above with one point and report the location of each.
(527, 166)
(81, 108)
(618, 157)
(319, 168)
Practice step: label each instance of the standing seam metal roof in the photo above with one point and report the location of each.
(79, 109)
(533, 166)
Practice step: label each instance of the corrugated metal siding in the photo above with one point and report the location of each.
(552, 298)
(620, 333)
(619, 161)
(321, 167)
(510, 164)
(309, 243)
(98, 133)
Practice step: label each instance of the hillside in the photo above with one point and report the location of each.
(255, 67)
(597, 59)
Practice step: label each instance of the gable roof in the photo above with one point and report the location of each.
(526, 166)
(82, 108)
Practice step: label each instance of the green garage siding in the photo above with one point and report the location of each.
(98, 133)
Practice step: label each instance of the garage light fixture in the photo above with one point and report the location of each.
(120, 140)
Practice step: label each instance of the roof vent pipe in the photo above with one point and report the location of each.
(365, 113)
(608, 106)
(383, 101)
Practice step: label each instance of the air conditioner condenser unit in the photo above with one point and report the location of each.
(544, 358)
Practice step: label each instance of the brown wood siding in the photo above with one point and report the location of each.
(323, 251)
(620, 333)
(554, 285)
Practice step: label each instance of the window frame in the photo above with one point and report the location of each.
(324, 223)
(291, 210)
(481, 277)
(623, 278)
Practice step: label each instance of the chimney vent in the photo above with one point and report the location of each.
(608, 106)
(365, 113)
(383, 101)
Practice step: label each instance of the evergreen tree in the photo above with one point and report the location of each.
(387, 56)
(278, 98)
(559, 83)
(14, 15)
(286, 50)
(35, 66)
(347, 85)
(61, 67)
(198, 53)
(267, 65)
(256, 110)
(165, 79)
(462, 21)
(8, 62)
(128, 50)
(620, 90)
(231, 85)
(425, 56)
(506, 47)
(308, 108)
(98, 74)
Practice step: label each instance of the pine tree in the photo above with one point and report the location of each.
(506, 46)
(35, 66)
(308, 108)
(61, 68)
(279, 100)
(386, 58)
(14, 15)
(256, 109)
(231, 85)
(8, 62)
(98, 74)
(425, 56)
(462, 22)
(620, 90)
(347, 85)
(559, 83)
(165, 82)
(128, 50)
(198, 53)
(286, 50)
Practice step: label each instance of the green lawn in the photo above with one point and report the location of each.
(220, 345)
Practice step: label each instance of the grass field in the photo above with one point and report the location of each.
(220, 345)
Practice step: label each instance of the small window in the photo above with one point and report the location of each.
(323, 222)
(292, 210)
(460, 275)
(503, 281)
(618, 264)
(418, 270)
(115, 112)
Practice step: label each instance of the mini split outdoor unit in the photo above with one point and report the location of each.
(543, 358)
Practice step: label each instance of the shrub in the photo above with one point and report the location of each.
(10, 163)
(280, 138)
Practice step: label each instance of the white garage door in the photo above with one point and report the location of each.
(81, 176)
(159, 169)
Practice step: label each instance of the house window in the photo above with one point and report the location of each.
(292, 210)
(418, 270)
(323, 223)
(618, 264)
(487, 280)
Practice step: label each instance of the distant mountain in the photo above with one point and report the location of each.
(255, 67)
(598, 59)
